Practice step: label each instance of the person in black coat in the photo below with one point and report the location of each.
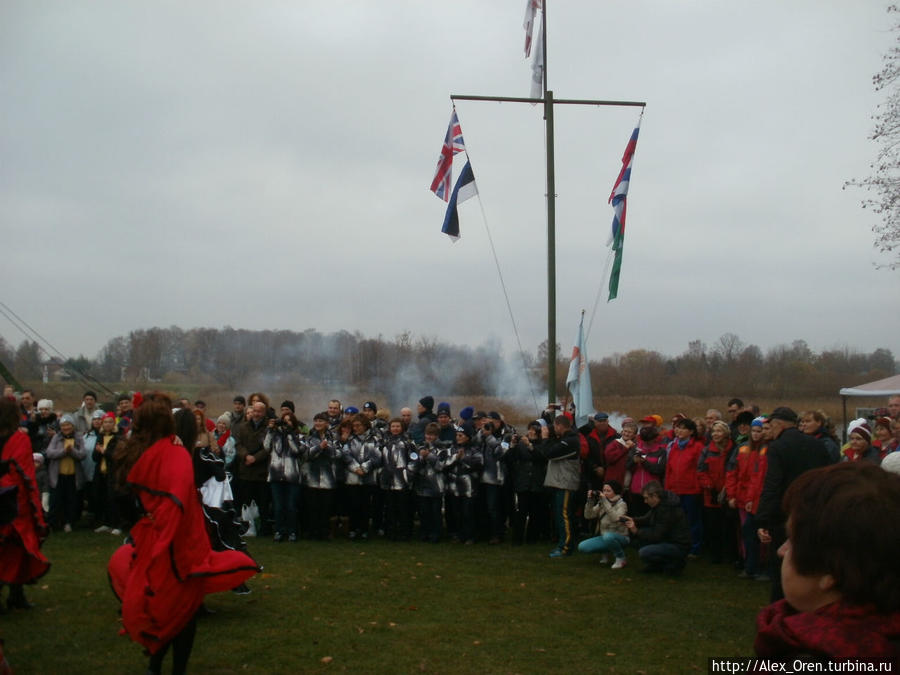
(662, 534)
(790, 454)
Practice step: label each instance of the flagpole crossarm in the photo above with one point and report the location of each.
(496, 99)
(535, 101)
(587, 101)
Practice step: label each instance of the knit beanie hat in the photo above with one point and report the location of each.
(861, 427)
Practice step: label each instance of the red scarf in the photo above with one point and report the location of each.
(224, 437)
(835, 631)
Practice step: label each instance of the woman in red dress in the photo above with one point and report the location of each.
(21, 561)
(162, 574)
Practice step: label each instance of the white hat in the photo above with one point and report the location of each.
(892, 462)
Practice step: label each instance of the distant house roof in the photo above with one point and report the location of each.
(886, 387)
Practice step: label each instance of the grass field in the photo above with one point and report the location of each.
(402, 607)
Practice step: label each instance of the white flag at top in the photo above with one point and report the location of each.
(531, 8)
(537, 67)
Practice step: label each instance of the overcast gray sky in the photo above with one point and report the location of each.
(266, 165)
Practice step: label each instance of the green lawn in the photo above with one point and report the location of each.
(389, 607)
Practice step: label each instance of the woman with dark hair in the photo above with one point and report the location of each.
(682, 479)
(883, 440)
(609, 509)
(23, 530)
(839, 571)
(162, 574)
(283, 443)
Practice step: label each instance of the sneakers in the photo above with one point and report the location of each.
(115, 532)
(102, 528)
(278, 537)
(604, 559)
(558, 553)
(619, 564)
(292, 537)
(67, 528)
(243, 589)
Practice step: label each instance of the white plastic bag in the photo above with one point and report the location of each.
(250, 515)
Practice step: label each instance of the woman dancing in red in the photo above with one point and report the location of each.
(21, 536)
(162, 574)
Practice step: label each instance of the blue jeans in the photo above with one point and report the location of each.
(285, 498)
(608, 542)
(693, 509)
(663, 557)
(563, 503)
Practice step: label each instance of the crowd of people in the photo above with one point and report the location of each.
(697, 486)
(359, 472)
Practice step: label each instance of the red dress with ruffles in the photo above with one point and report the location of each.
(163, 576)
(21, 560)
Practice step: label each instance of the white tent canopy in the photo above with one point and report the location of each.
(886, 387)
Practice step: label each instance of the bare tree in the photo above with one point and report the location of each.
(884, 181)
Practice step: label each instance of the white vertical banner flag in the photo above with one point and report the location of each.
(578, 380)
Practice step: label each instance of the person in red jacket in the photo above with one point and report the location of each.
(163, 573)
(682, 479)
(743, 487)
(616, 452)
(23, 532)
(711, 470)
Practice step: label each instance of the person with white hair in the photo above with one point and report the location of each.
(65, 453)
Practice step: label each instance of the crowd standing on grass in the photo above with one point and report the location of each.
(702, 485)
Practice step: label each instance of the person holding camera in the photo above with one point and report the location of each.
(646, 461)
(662, 534)
(531, 518)
(563, 453)
(283, 443)
(607, 507)
(494, 438)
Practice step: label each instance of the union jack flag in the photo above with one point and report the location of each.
(453, 143)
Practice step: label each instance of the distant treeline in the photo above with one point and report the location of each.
(407, 365)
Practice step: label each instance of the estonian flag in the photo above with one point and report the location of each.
(465, 189)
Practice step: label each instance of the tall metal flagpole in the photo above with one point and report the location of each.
(549, 103)
(551, 219)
